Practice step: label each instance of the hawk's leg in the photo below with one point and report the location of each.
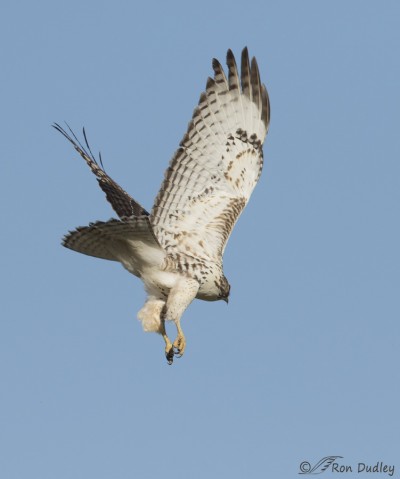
(152, 318)
(180, 341)
(179, 298)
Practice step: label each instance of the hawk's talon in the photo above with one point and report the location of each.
(169, 349)
(169, 354)
(177, 353)
(179, 344)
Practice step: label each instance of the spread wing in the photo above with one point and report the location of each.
(123, 204)
(213, 173)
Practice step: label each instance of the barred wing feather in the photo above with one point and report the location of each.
(122, 203)
(213, 173)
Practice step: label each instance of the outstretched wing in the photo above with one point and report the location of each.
(213, 173)
(123, 204)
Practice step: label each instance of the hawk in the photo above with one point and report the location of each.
(177, 248)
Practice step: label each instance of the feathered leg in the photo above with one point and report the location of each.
(152, 318)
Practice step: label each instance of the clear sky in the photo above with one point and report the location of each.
(304, 361)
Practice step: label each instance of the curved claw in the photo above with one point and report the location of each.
(177, 353)
(179, 345)
(170, 356)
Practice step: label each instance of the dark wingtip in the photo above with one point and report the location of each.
(88, 147)
(266, 111)
(210, 83)
(59, 128)
(245, 73)
(217, 67)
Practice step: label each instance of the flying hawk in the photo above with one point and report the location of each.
(177, 248)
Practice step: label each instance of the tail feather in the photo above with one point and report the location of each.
(105, 239)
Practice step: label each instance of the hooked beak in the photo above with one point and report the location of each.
(226, 300)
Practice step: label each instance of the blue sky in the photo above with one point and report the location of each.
(304, 362)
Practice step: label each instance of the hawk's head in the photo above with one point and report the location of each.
(224, 290)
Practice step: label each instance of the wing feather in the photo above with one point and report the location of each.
(213, 173)
(123, 204)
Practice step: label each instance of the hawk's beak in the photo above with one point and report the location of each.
(226, 300)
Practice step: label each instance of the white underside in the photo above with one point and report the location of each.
(147, 261)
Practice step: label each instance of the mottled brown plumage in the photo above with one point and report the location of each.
(177, 249)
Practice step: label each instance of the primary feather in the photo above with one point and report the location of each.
(213, 173)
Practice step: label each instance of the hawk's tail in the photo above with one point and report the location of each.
(109, 239)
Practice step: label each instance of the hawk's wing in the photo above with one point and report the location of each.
(213, 173)
(123, 204)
